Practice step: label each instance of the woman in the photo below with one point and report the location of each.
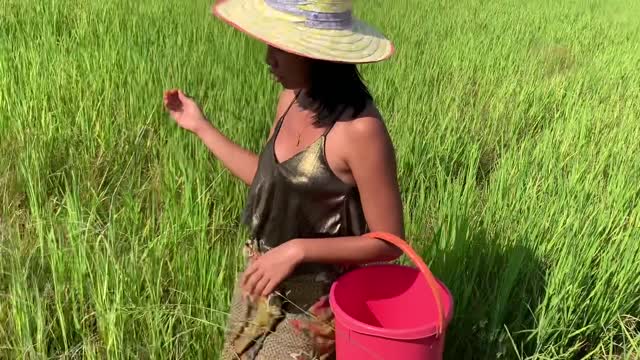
(326, 176)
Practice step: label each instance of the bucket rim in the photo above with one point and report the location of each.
(411, 333)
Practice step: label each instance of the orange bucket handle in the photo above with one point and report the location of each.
(417, 260)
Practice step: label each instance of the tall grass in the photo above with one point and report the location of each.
(516, 126)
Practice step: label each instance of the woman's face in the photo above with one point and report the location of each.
(292, 71)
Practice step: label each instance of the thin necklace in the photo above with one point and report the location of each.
(304, 128)
(297, 99)
(300, 133)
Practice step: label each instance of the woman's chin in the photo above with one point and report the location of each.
(285, 85)
(278, 80)
(289, 85)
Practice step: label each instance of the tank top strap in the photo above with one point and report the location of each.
(286, 111)
(326, 131)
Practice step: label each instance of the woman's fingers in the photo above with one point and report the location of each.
(182, 95)
(271, 286)
(172, 100)
(261, 286)
(253, 267)
(168, 94)
(252, 281)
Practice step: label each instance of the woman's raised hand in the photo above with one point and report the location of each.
(184, 110)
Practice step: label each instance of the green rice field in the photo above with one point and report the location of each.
(516, 124)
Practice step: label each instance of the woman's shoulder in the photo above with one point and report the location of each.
(364, 139)
(369, 124)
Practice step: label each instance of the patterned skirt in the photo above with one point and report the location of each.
(263, 329)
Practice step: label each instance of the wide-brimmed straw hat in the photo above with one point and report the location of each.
(318, 29)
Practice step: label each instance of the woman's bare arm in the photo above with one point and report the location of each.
(241, 162)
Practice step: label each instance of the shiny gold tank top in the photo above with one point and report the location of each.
(300, 197)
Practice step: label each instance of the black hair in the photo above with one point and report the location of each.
(334, 89)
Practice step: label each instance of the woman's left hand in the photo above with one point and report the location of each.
(266, 271)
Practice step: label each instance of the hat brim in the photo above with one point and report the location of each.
(359, 44)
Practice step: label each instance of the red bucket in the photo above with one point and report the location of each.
(390, 311)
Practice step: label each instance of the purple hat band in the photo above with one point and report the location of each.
(314, 19)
